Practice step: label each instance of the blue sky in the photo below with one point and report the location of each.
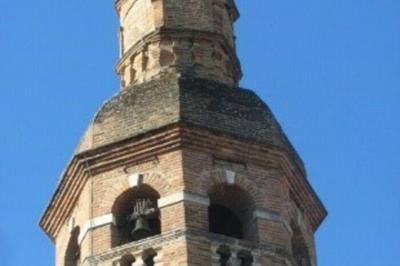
(330, 70)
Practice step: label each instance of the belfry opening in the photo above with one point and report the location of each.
(136, 215)
(231, 212)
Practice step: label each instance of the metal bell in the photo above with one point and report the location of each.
(142, 229)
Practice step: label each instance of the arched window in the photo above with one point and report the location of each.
(300, 252)
(136, 215)
(72, 253)
(230, 212)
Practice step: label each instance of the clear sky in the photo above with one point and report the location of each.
(330, 70)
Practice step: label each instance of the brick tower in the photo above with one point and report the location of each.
(182, 167)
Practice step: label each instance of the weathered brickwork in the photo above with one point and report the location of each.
(195, 169)
(192, 38)
(183, 167)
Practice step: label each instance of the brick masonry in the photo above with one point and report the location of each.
(182, 128)
(192, 38)
(194, 168)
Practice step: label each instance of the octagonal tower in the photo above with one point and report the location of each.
(192, 38)
(182, 166)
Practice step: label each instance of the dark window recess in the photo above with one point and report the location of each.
(224, 221)
(231, 212)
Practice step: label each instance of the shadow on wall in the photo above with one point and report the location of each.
(72, 254)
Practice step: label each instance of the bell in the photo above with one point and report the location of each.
(141, 230)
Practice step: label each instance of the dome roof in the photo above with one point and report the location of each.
(197, 102)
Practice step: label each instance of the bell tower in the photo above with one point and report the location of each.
(182, 166)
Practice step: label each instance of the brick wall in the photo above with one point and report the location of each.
(194, 171)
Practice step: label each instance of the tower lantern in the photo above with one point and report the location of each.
(190, 38)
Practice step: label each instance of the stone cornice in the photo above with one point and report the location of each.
(173, 137)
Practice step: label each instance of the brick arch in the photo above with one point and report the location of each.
(233, 201)
(154, 179)
(251, 188)
(217, 177)
(158, 181)
(118, 186)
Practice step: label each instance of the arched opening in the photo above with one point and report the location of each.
(224, 221)
(245, 257)
(242, 258)
(224, 253)
(300, 252)
(149, 257)
(136, 215)
(126, 260)
(72, 253)
(231, 212)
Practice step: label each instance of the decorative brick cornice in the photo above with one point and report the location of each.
(181, 34)
(99, 160)
(164, 140)
(267, 156)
